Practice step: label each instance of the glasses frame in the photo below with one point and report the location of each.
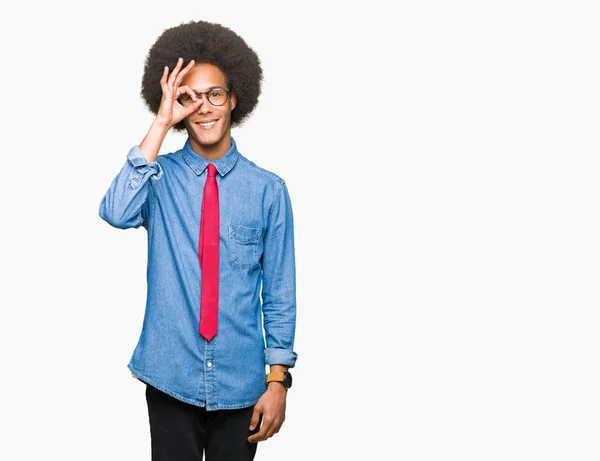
(199, 95)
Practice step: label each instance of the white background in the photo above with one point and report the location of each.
(442, 161)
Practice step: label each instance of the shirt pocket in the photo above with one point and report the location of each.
(244, 245)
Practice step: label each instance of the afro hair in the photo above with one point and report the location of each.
(209, 43)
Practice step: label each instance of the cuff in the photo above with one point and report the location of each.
(136, 157)
(280, 357)
(137, 160)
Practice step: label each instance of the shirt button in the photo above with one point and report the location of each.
(209, 364)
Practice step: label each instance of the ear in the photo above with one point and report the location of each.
(233, 101)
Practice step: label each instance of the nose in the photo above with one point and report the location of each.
(205, 107)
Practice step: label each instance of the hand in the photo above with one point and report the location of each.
(272, 406)
(170, 111)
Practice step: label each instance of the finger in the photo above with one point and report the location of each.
(176, 69)
(264, 430)
(197, 102)
(185, 70)
(173, 75)
(163, 79)
(273, 429)
(193, 107)
(187, 90)
(255, 418)
(258, 437)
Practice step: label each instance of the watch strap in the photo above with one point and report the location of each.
(275, 376)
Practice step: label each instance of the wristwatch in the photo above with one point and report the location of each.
(284, 377)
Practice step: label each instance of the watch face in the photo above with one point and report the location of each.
(287, 380)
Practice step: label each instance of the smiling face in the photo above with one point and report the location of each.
(209, 127)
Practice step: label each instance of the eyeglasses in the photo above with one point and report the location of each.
(217, 96)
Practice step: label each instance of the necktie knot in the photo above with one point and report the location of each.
(212, 170)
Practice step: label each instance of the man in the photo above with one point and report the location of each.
(220, 238)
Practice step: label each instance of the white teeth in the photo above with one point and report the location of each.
(207, 124)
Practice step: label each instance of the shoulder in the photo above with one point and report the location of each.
(170, 161)
(171, 157)
(261, 173)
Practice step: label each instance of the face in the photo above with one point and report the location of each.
(209, 127)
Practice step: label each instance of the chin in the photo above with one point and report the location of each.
(208, 140)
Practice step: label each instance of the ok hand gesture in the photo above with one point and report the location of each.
(170, 111)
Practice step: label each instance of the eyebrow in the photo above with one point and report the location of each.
(210, 89)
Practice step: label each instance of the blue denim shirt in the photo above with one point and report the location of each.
(256, 260)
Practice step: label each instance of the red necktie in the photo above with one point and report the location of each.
(208, 253)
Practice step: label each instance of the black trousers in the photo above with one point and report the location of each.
(180, 431)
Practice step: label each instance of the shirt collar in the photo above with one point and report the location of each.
(198, 163)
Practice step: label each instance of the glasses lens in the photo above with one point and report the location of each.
(217, 97)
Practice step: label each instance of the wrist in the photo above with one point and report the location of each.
(277, 386)
(283, 378)
(160, 126)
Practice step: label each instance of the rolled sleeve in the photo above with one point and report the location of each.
(125, 203)
(280, 357)
(136, 159)
(279, 283)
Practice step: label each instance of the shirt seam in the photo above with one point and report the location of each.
(275, 203)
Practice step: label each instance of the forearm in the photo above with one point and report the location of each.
(153, 140)
(276, 368)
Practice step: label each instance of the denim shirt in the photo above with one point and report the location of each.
(256, 260)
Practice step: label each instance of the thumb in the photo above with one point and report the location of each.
(193, 107)
(255, 417)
